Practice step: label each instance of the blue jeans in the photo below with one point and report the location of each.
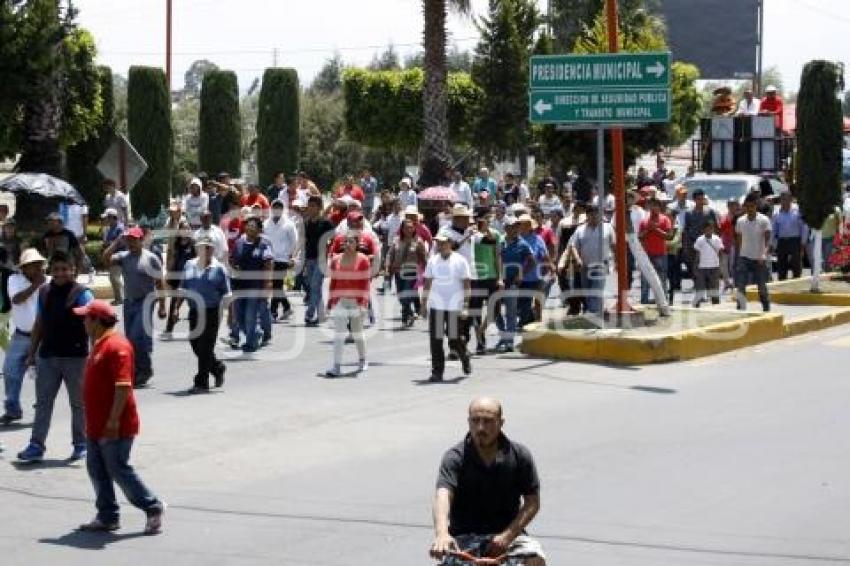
(407, 295)
(827, 244)
(265, 315)
(509, 300)
(659, 263)
(14, 368)
(108, 462)
(750, 270)
(529, 290)
(137, 319)
(247, 311)
(314, 277)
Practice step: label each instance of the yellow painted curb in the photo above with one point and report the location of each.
(817, 322)
(607, 347)
(800, 298)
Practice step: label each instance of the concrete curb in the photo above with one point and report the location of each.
(817, 322)
(803, 298)
(603, 347)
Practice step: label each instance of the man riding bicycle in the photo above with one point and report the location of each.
(487, 494)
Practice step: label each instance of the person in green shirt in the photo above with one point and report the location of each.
(486, 246)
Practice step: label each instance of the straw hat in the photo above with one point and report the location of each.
(31, 255)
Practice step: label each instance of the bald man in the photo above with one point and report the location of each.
(471, 513)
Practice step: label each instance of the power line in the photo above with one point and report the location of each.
(267, 50)
(820, 10)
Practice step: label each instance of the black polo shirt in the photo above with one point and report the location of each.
(486, 498)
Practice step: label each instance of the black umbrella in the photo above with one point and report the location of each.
(42, 185)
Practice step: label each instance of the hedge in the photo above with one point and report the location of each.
(220, 126)
(384, 108)
(149, 127)
(278, 124)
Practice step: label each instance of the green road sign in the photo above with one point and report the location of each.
(598, 106)
(605, 70)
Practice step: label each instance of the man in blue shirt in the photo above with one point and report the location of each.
(484, 183)
(517, 260)
(112, 231)
(252, 262)
(789, 236)
(532, 282)
(206, 286)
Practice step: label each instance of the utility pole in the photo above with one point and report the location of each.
(168, 45)
(623, 306)
(274, 57)
(758, 86)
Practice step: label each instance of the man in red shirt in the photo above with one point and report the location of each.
(771, 105)
(256, 198)
(349, 188)
(112, 422)
(653, 233)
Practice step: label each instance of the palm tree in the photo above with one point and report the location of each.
(434, 152)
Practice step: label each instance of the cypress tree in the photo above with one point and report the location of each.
(820, 138)
(149, 128)
(819, 141)
(278, 124)
(82, 158)
(220, 126)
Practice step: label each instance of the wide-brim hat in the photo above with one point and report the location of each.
(461, 210)
(411, 210)
(31, 255)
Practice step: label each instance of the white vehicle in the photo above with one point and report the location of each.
(722, 187)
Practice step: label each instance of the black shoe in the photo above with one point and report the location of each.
(218, 374)
(311, 323)
(436, 378)
(142, 379)
(453, 356)
(349, 339)
(481, 349)
(265, 342)
(8, 419)
(196, 389)
(466, 364)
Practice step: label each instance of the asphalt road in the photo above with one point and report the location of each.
(736, 459)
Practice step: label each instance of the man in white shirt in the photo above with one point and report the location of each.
(462, 189)
(214, 233)
(709, 246)
(447, 291)
(749, 105)
(117, 200)
(549, 201)
(281, 232)
(23, 290)
(194, 203)
(752, 239)
(76, 219)
(406, 194)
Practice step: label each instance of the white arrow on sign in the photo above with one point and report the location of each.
(657, 69)
(540, 107)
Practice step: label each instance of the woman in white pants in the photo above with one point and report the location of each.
(350, 273)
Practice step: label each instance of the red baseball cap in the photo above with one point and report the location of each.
(134, 232)
(355, 215)
(97, 309)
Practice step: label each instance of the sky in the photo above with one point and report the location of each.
(247, 36)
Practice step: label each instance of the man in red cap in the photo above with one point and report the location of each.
(112, 422)
(368, 243)
(142, 273)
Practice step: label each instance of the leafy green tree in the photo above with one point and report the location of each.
(194, 76)
(149, 127)
(50, 96)
(278, 121)
(820, 139)
(329, 79)
(434, 148)
(119, 94)
(500, 70)
(387, 61)
(185, 123)
(571, 19)
(220, 129)
(383, 109)
(82, 157)
(457, 60)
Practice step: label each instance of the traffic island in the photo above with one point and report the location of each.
(686, 334)
(834, 291)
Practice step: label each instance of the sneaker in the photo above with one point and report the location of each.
(333, 372)
(153, 525)
(142, 379)
(364, 366)
(78, 453)
(218, 374)
(311, 323)
(33, 453)
(9, 418)
(198, 389)
(98, 526)
(436, 378)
